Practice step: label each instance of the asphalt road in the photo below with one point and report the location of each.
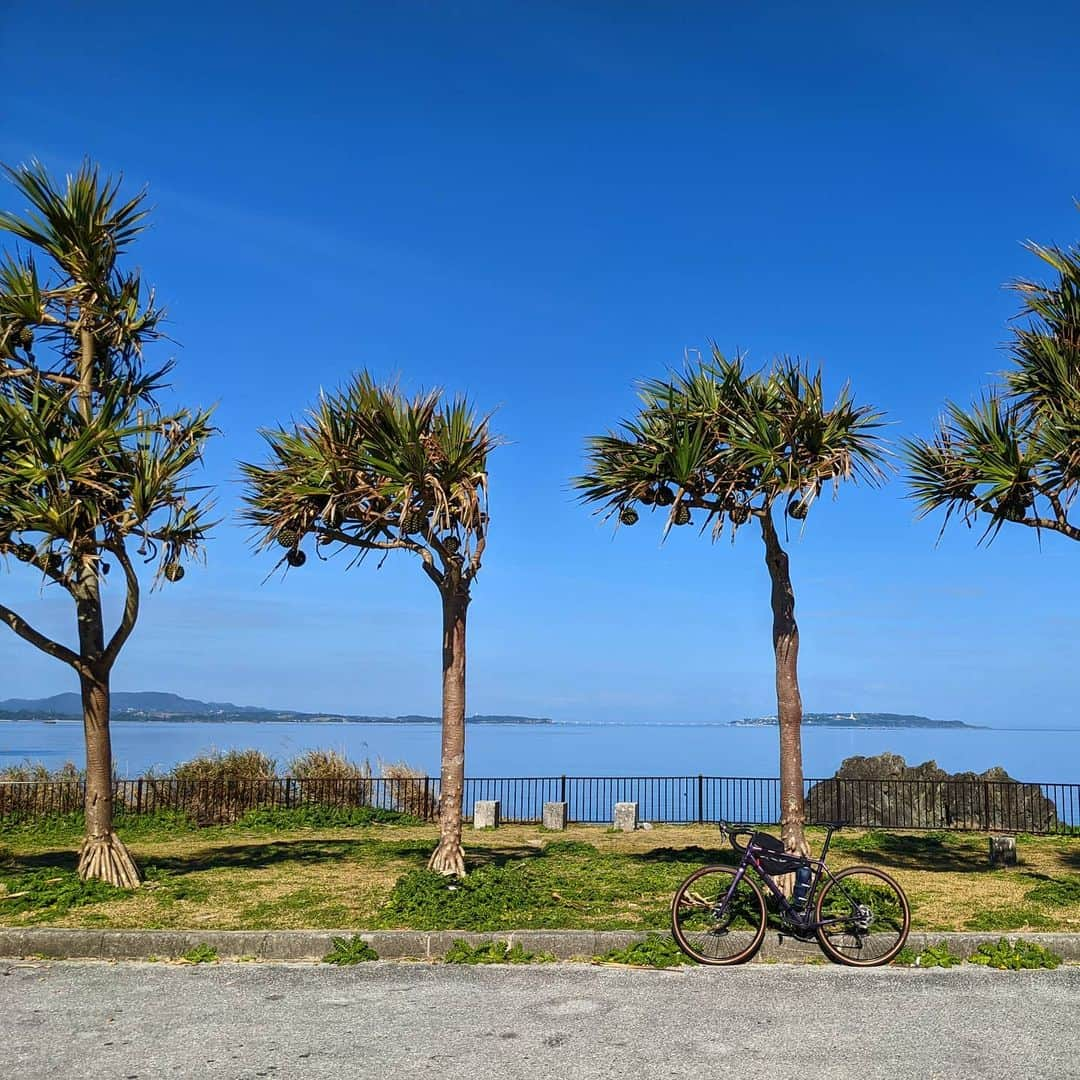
(238, 1021)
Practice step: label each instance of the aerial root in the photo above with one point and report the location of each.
(105, 858)
(448, 858)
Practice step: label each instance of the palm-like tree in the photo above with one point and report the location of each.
(1014, 456)
(88, 461)
(371, 470)
(734, 444)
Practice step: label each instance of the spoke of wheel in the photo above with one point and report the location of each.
(871, 918)
(713, 929)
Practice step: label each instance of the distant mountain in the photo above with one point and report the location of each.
(157, 706)
(146, 701)
(857, 720)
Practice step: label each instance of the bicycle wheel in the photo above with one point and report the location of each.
(866, 915)
(712, 926)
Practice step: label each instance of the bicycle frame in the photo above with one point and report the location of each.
(800, 918)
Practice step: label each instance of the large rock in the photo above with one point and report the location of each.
(885, 791)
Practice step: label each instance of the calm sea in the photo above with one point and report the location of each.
(660, 749)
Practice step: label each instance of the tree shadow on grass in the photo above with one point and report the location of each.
(41, 860)
(477, 857)
(905, 851)
(412, 853)
(693, 857)
(243, 856)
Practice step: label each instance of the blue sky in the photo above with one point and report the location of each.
(538, 204)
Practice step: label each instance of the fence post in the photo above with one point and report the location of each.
(562, 789)
(426, 809)
(700, 799)
(986, 804)
(288, 793)
(138, 797)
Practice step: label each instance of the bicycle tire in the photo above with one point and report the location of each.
(853, 941)
(713, 936)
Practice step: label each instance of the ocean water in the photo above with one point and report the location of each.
(659, 749)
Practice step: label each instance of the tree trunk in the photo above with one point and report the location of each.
(103, 855)
(788, 700)
(449, 857)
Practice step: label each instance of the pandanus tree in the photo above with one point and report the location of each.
(371, 470)
(1014, 456)
(737, 446)
(90, 464)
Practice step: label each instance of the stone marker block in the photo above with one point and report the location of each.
(1002, 850)
(486, 814)
(626, 816)
(555, 815)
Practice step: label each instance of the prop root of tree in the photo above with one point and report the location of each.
(105, 858)
(449, 859)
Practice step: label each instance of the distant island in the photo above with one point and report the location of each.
(155, 706)
(857, 720)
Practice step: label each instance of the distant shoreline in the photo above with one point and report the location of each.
(268, 718)
(433, 721)
(162, 707)
(862, 721)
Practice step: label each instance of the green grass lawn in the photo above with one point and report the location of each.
(270, 872)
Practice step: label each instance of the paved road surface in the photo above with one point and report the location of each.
(242, 1021)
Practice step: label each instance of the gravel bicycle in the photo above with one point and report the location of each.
(859, 915)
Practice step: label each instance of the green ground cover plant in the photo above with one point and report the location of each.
(1011, 917)
(201, 954)
(50, 892)
(315, 816)
(493, 952)
(1056, 891)
(1015, 955)
(348, 951)
(933, 956)
(657, 950)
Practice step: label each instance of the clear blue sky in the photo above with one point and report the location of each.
(539, 203)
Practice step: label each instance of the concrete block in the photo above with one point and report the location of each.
(555, 815)
(625, 817)
(486, 814)
(1002, 850)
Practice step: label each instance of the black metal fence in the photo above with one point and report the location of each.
(214, 802)
(1000, 805)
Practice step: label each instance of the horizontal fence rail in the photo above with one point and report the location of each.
(976, 805)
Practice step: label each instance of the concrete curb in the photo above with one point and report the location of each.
(420, 944)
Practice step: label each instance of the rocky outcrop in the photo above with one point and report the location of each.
(884, 791)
